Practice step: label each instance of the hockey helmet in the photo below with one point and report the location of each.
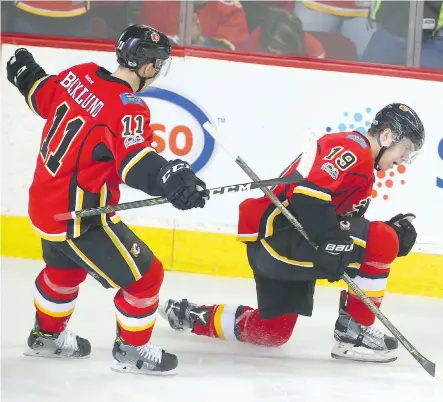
(403, 122)
(139, 44)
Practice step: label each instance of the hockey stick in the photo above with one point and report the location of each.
(233, 188)
(305, 165)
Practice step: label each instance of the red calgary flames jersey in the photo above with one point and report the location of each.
(221, 20)
(96, 130)
(342, 174)
(344, 8)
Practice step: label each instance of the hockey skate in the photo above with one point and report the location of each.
(359, 343)
(57, 345)
(146, 359)
(182, 315)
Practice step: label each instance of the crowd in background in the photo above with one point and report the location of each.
(372, 31)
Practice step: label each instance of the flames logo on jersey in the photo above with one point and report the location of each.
(358, 209)
(135, 250)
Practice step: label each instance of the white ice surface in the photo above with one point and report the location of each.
(209, 369)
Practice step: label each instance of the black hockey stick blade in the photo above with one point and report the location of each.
(425, 363)
(235, 188)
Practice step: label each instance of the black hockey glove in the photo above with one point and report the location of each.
(333, 254)
(22, 70)
(183, 189)
(406, 232)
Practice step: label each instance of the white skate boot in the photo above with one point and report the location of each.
(359, 343)
(146, 359)
(57, 345)
(182, 315)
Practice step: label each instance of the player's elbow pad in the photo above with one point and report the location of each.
(313, 208)
(142, 175)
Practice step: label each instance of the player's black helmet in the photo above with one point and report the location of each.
(403, 122)
(139, 44)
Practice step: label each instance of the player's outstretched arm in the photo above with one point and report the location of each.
(173, 179)
(29, 78)
(142, 168)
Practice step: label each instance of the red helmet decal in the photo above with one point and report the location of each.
(404, 108)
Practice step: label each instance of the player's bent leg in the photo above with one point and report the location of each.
(356, 339)
(117, 258)
(55, 294)
(229, 322)
(136, 310)
(280, 301)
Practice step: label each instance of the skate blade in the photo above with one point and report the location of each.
(162, 313)
(343, 352)
(132, 369)
(49, 355)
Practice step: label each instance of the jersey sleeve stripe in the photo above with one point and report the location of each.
(52, 13)
(133, 161)
(32, 102)
(358, 242)
(50, 236)
(312, 193)
(226, 42)
(247, 237)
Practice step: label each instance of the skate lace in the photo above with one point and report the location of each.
(67, 341)
(150, 352)
(374, 332)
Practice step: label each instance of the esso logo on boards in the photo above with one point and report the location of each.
(177, 123)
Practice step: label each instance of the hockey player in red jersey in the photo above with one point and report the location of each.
(97, 136)
(329, 203)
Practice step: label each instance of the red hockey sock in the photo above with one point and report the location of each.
(270, 332)
(136, 306)
(381, 250)
(56, 292)
(245, 324)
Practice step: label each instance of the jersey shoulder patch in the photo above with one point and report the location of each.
(130, 98)
(358, 139)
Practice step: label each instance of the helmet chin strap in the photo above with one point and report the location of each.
(380, 153)
(142, 81)
(377, 159)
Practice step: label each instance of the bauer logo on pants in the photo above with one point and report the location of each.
(177, 123)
